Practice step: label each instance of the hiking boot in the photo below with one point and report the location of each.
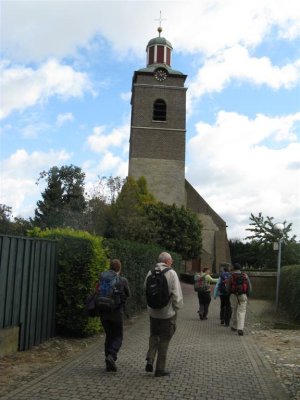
(110, 363)
(160, 373)
(149, 367)
(200, 314)
(240, 332)
(233, 329)
(222, 322)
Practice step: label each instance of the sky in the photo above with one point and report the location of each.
(66, 74)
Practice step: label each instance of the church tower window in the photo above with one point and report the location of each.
(159, 110)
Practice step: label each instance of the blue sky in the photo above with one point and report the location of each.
(66, 70)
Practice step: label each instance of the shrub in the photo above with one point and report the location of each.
(81, 258)
(289, 290)
(137, 259)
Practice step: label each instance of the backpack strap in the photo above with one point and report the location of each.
(163, 271)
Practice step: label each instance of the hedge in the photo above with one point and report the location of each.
(81, 258)
(289, 290)
(137, 259)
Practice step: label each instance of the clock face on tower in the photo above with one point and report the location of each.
(160, 74)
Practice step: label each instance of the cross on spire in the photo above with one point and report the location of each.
(160, 19)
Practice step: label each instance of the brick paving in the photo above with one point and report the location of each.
(207, 361)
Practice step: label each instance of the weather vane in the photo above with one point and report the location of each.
(160, 19)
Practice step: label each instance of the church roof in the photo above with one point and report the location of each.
(160, 41)
(152, 67)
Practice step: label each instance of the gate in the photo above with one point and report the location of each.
(28, 270)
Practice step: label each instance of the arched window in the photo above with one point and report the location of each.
(159, 110)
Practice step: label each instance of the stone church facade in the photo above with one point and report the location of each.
(157, 147)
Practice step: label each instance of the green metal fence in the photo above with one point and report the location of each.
(28, 270)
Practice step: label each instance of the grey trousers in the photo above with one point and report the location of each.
(161, 332)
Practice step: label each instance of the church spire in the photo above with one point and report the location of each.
(159, 49)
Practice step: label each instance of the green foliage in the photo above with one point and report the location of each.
(128, 220)
(63, 201)
(177, 229)
(17, 227)
(258, 251)
(136, 216)
(264, 230)
(137, 259)
(289, 291)
(81, 258)
(255, 255)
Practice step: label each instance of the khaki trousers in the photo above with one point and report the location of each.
(238, 306)
(161, 332)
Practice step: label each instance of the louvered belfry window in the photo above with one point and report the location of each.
(159, 110)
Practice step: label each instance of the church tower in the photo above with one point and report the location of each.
(158, 124)
(157, 147)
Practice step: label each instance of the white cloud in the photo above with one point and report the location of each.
(24, 87)
(62, 118)
(234, 170)
(19, 174)
(35, 30)
(99, 141)
(236, 63)
(126, 96)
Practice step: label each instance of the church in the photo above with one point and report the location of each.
(157, 147)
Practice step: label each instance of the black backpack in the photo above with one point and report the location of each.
(157, 289)
(108, 297)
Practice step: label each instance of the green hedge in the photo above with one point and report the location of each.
(137, 259)
(81, 258)
(289, 290)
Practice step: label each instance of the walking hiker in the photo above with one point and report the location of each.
(202, 287)
(240, 288)
(222, 290)
(113, 291)
(164, 298)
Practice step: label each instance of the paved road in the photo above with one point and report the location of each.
(207, 361)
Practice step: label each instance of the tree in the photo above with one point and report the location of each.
(5, 215)
(264, 230)
(63, 201)
(13, 226)
(258, 251)
(178, 229)
(128, 219)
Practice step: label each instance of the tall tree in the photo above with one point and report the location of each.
(63, 201)
(128, 220)
(5, 216)
(258, 251)
(264, 230)
(178, 229)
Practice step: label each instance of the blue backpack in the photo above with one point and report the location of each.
(224, 283)
(108, 297)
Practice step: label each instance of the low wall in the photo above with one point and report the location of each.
(263, 284)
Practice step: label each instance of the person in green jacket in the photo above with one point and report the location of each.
(204, 295)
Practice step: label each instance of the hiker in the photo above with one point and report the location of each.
(112, 317)
(240, 288)
(222, 290)
(164, 298)
(202, 287)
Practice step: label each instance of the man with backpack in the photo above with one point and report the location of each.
(113, 290)
(222, 290)
(240, 288)
(164, 298)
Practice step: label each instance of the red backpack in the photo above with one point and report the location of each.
(239, 283)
